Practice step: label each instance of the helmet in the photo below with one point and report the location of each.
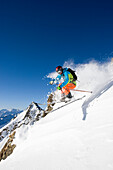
(59, 69)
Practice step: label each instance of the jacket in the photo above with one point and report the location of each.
(66, 75)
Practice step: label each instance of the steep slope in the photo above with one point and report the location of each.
(7, 133)
(63, 140)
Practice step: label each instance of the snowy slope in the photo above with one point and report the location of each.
(24, 119)
(64, 141)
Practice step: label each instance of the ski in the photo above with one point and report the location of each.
(67, 103)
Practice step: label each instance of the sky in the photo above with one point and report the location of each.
(37, 35)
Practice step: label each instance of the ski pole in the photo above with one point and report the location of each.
(82, 91)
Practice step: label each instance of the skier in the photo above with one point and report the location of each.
(68, 84)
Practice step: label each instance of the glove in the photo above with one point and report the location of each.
(51, 82)
(59, 88)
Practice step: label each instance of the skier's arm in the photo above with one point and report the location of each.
(66, 79)
(56, 79)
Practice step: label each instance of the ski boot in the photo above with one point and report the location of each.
(69, 95)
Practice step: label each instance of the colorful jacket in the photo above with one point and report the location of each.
(66, 75)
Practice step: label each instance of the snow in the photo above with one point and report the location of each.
(12, 122)
(77, 136)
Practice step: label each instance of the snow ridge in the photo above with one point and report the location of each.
(95, 95)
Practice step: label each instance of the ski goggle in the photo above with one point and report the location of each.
(59, 71)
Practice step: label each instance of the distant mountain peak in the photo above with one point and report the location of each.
(6, 115)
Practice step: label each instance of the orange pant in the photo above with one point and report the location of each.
(66, 89)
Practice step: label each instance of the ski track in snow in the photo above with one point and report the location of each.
(94, 96)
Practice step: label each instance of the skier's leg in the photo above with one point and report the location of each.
(70, 86)
(66, 89)
(62, 94)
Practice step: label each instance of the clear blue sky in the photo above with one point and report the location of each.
(38, 35)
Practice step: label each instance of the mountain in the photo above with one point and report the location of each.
(76, 136)
(29, 116)
(7, 115)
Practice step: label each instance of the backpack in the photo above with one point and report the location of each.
(73, 73)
